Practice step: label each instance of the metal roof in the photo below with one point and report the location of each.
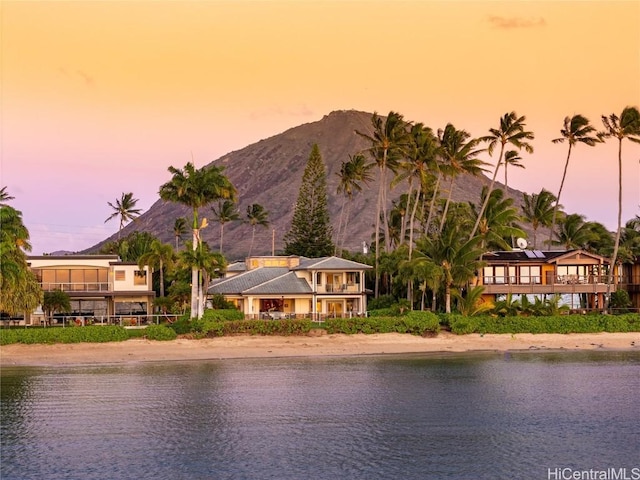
(244, 281)
(330, 263)
(286, 284)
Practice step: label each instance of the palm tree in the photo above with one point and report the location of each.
(159, 256)
(225, 213)
(4, 197)
(196, 188)
(209, 263)
(19, 288)
(256, 215)
(511, 157)
(538, 210)
(459, 154)
(511, 131)
(125, 209)
(499, 221)
(576, 130)
(627, 125)
(55, 301)
(458, 258)
(388, 142)
(352, 173)
(574, 232)
(179, 229)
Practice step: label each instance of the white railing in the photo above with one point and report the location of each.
(76, 286)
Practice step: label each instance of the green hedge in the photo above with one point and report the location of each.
(546, 324)
(415, 323)
(257, 327)
(159, 332)
(94, 334)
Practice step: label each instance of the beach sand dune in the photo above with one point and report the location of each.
(142, 350)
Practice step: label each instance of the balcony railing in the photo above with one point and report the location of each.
(76, 286)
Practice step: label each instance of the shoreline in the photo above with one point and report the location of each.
(326, 345)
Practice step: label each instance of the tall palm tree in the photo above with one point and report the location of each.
(388, 142)
(225, 213)
(159, 256)
(196, 188)
(125, 209)
(256, 215)
(511, 131)
(627, 125)
(179, 229)
(459, 153)
(352, 173)
(538, 210)
(576, 130)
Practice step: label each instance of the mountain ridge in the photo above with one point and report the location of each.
(269, 172)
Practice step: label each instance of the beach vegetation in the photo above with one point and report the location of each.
(91, 334)
(544, 324)
(159, 332)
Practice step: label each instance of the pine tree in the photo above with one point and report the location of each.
(310, 233)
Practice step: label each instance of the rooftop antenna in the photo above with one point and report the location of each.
(521, 243)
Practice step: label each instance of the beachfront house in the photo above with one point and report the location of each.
(578, 276)
(100, 287)
(274, 287)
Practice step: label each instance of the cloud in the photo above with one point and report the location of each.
(516, 22)
(86, 78)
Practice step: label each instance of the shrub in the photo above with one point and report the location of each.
(383, 301)
(223, 315)
(416, 323)
(258, 327)
(160, 332)
(94, 334)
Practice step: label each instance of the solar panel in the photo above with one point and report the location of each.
(530, 254)
(538, 254)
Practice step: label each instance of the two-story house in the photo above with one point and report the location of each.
(579, 276)
(292, 286)
(99, 286)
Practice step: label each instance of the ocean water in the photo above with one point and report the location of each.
(481, 416)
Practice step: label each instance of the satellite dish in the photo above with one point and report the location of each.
(521, 242)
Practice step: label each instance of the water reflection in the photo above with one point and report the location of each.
(473, 416)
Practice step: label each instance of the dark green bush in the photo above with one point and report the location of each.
(94, 334)
(257, 327)
(223, 315)
(383, 301)
(416, 323)
(546, 324)
(160, 332)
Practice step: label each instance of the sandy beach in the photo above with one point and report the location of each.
(141, 350)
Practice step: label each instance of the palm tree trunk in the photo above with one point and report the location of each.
(338, 238)
(486, 200)
(446, 205)
(378, 211)
(616, 245)
(161, 278)
(555, 209)
(221, 236)
(194, 279)
(346, 222)
(433, 203)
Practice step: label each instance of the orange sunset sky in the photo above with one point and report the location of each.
(99, 97)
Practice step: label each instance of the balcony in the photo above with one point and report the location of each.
(555, 284)
(76, 287)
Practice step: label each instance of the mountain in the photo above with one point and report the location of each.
(269, 172)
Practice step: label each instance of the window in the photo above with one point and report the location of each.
(139, 277)
(119, 275)
(351, 278)
(530, 274)
(319, 278)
